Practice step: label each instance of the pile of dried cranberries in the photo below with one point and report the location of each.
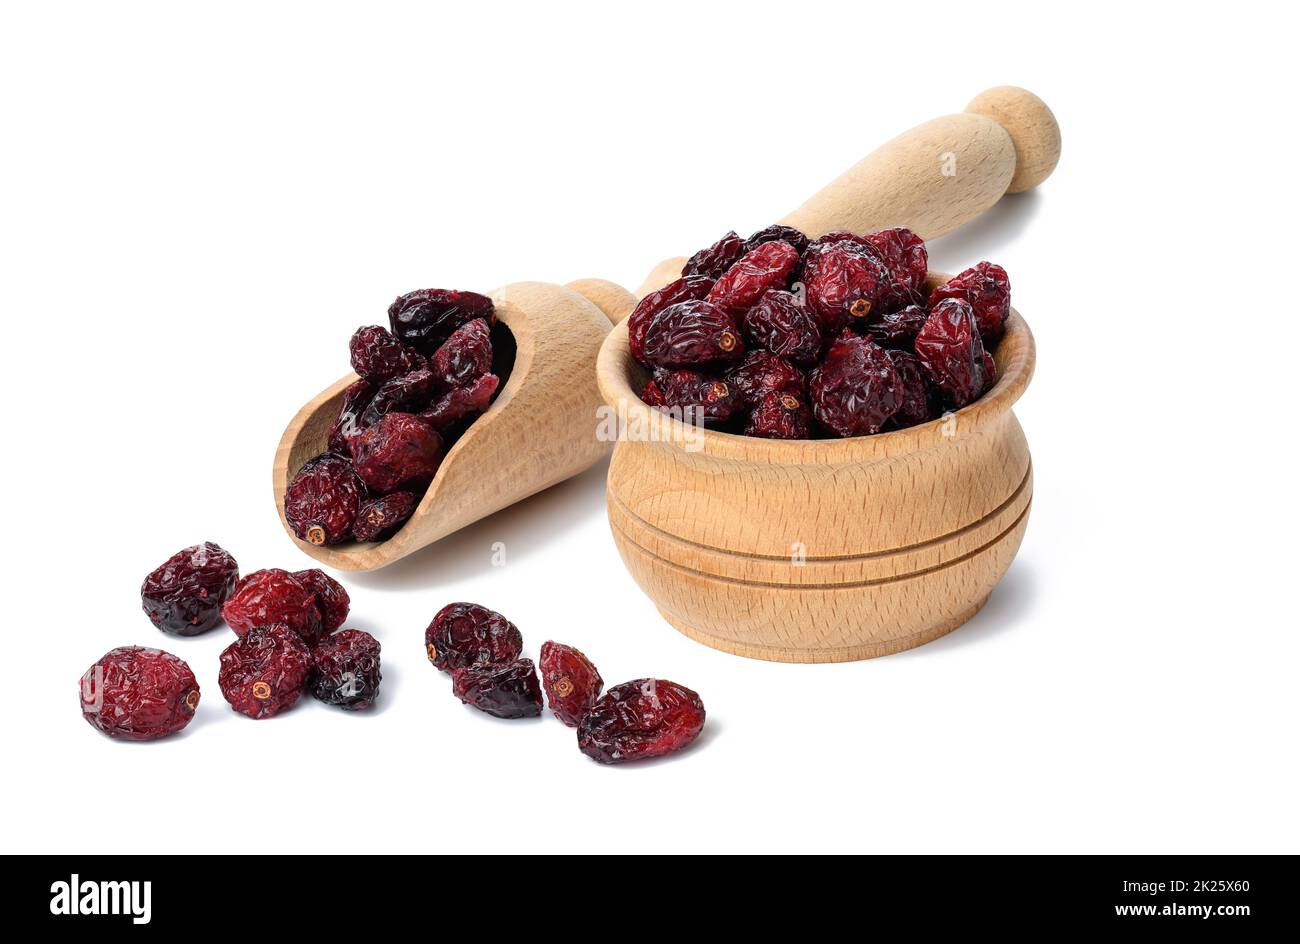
(786, 338)
(421, 383)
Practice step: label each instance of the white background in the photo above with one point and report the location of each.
(199, 208)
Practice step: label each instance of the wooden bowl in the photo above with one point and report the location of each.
(820, 550)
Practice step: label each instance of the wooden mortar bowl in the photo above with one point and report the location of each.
(820, 550)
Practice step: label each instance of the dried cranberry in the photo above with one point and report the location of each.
(763, 372)
(915, 407)
(454, 406)
(987, 289)
(782, 324)
(503, 691)
(321, 502)
(331, 598)
(777, 231)
(952, 354)
(378, 518)
(841, 236)
(399, 450)
(696, 397)
(717, 259)
(691, 288)
(183, 596)
(426, 318)
(905, 254)
(855, 388)
(378, 356)
(273, 596)
(766, 267)
(464, 357)
(780, 415)
(897, 329)
(139, 694)
(640, 719)
(345, 670)
(355, 399)
(571, 682)
(693, 334)
(843, 281)
(264, 672)
(409, 393)
(466, 635)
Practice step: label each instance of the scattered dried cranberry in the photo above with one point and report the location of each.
(780, 415)
(897, 329)
(690, 288)
(987, 289)
(571, 682)
(766, 267)
(762, 372)
(455, 406)
(331, 599)
(139, 694)
(399, 450)
(183, 596)
(693, 334)
(355, 400)
(272, 596)
(345, 670)
(264, 672)
(782, 324)
(378, 518)
(464, 357)
(409, 393)
(855, 388)
(640, 719)
(905, 254)
(466, 635)
(774, 232)
(378, 356)
(952, 354)
(504, 691)
(843, 281)
(426, 318)
(321, 502)
(696, 397)
(915, 407)
(717, 259)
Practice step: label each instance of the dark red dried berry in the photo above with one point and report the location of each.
(897, 329)
(378, 356)
(640, 719)
(379, 518)
(462, 403)
(464, 357)
(987, 289)
(331, 598)
(426, 318)
(915, 407)
(409, 393)
(345, 670)
(399, 450)
(691, 396)
(762, 372)
(766, 267)
(264, 672)
(691, 288)
(571, 682)
(503, 691)
(139, 694)
(952, 354)
(855, 388)
(693, 334)
(321, 502)
(183, 596)
(777, 231)
(780, 415)
(717, 259)
(466, 635)
(272, 596)
(840, 236)
(905, 254)
(782, 324)
(355, 399)
(843, 282)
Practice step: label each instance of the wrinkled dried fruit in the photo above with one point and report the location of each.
(399, 450)
(774, 232)
(378, 518)
(843, 282)
(139, 694)
(691, 288)
(465, 635)
(905, 254)
(763, 372)
(345, 670)
(766, 267)
(855, 388)
(378, 356)
(464, 357)
(780, 415)
(409, 393)
(462, 403)
(504, 691)
(264, 672)
(321, 502)
(183, 596)
(272, 596)
(331, 598)
(782, 324)
(571, 682)
(897, 329)
(691, 396)
(987, 289)
(640, 719)
(952, 354)
(426, 318)
(717, 259)
(915, 407)
(693, 334)
(355, 399)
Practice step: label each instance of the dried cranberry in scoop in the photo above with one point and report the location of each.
(331, 599)
(777, 231)
(694, 396)
(409, 393)
(345, 670)
(689, 288)
(693, 334)
(764, 268)
(904, 253)
(763, 372)
(843, 282)
(987, 289)
(399, 450)
(264, 672)
(897, 329)
(426, 318)
(640, 719)
(465, 635)
(780, 414)
(321, 502)
(463, 357)
(717, 259)
(915, 407)
(273, 596)
(355, 400)
(855, 388)
(378, 356)
(183, 596)
(139, 694)
(378, 518)
(503, 691)
(463, 403)
(952, 354)
(570, 680)
(782, 324)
